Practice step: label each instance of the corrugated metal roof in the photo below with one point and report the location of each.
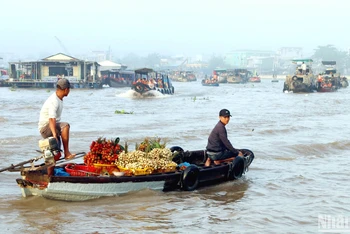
(108, 63)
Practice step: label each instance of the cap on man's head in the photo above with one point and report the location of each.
(63, 83)
(224, 113)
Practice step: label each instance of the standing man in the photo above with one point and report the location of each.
(50, 117)
(219, 147)
(303, 68)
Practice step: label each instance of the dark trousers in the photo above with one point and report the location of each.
(221, 155)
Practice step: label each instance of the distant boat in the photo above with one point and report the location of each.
(238, 76)
(220, 74)
(146, 79)
(183, 76)
(254, 79)
(303, 80)
(208, 82)
(274, 78)
(117, 78)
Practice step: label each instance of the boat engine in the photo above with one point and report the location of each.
(51, 149)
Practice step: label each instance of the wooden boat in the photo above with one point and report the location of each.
(147, 81)
(220, 74)
(183, 76)
(274, 78)
(326, 84)
(118, 78)
(301, 81)
(330, 80)
(344, 82)
(254, 79)
(238, 76)
(210, 82)
(274, 75)
(190, 174)
(4, 78)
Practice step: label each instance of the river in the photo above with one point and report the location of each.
(300, 141)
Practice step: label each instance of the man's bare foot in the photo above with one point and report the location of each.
(69, 156)
(207, 163)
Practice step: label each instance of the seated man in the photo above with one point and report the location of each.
(219, 148)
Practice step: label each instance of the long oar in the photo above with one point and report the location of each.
(22, 163)
(37, 158)
(60, 161)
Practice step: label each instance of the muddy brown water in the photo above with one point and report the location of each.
(301, 145)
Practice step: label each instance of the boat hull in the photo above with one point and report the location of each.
(254, 80)
(115, 84)
(209, 83)
(235, 80)
(300, 84)
(222, 79)
(214, 84)
(145, 90)
(84, 191)
(148, 81)
(181, 79)
(82, 188)
(325, 89)
(344, 82)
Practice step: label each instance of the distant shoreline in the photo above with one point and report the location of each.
(282, 77)
(271, 76)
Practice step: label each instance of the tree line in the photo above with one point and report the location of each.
(153, 60)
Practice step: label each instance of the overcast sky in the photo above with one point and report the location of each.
(172, 27)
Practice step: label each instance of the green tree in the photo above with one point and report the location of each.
(132, 61)
(152, 60)
(330, 53)
(216, 61)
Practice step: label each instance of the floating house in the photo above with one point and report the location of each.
(47, 71)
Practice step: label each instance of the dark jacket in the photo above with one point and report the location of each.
(218, 141)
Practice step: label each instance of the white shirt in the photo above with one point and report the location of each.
(303, 66)
(52, 108)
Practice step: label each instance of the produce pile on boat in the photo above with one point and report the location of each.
(150, 156)
(103, 151)
(139, 162)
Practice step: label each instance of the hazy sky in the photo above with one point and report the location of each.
(186, 27)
